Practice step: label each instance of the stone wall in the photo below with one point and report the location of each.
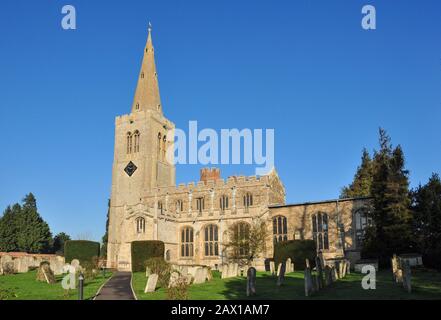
(22, 262)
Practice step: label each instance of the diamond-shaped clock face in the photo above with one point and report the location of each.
(130, 168)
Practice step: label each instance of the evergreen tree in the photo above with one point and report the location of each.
(391, 229)
(362, 184)
(426, 206)
(106, 235)
(34, 235)
(9, 228)
(59, 241)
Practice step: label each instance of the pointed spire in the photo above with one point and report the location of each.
(147, 90)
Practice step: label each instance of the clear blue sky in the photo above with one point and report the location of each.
(305, 68)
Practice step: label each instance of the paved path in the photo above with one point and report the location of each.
(117, 288)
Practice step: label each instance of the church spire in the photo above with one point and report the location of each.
(147, 90)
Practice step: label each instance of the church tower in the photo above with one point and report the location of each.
(140, 165)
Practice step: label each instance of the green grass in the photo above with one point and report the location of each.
(426, 285)
(24, 286)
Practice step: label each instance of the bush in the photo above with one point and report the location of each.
(162, 268)
(297, 250)
(83, 250)
(144, 250)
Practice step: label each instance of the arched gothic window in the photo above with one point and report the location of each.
(362, 221)
(280, 229)
(187, 242)
(248, 200)
(140, 225)
(136, 136)
(242, 236)
(211, 244)
(320, 230)
(224, 202)
(129, 142)
(179, 206)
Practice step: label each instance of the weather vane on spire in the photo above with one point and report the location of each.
(150, 26)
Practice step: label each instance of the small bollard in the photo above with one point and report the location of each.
(80, 286)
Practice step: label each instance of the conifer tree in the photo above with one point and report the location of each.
(9, 228)
(391, 229)
(34, 235)
(362, 184)
(426, 206)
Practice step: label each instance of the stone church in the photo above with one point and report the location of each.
(193, 219)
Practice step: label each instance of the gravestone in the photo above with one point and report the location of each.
(224, 271)
(272, 268)
(407, 277)
(174, 276)
(251, 281)
(334, 274)
(288, 265)
(200, 275)
(328, 276)
(308, 282)
(45, 273)
(319, 267)
(151, 283)
(292, 267)
(209, 275)
(147, 271)
(75, 263)
(281, 274)
(395, 268)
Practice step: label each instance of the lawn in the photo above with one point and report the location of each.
(25, 287)
(426, 285)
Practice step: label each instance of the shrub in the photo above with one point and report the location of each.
(144, 250)
(82, 250)
(162, 268)
(297, 250)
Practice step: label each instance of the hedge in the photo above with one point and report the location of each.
(82, 250)
(144, 250)
(297, 250)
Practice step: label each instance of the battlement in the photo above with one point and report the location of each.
(202, 186)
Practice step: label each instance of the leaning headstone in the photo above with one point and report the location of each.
(407, 277)
(251, 281)
(200, 275)
(281, 274)
(272, 268)
(151, 283)
(45, 273)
